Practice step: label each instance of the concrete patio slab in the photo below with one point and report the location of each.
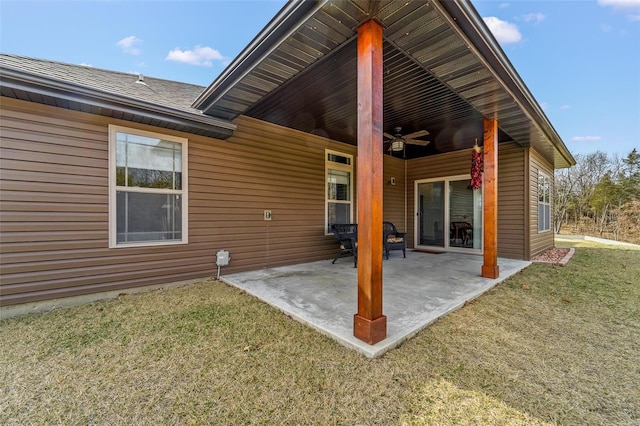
(416, 291)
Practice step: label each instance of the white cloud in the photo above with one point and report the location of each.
(130, 45)
(505, 32)
(86, 65)
(586, 138)
(536, 18)
(503, 5)
(619, 4)
(198, 56)
(544, 105)
(606, 28)
(565, 107)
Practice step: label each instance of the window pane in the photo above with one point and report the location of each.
(335, 158)
(338, 213)
(148, 162)
(338, 182)
(541, 225)
(547, 189)
(145, 178)
(148, 217)
(540, 188)
(547, 217)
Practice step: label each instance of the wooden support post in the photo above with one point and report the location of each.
(490, 267)
(369, 324)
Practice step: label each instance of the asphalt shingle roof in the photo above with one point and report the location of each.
(167, 93)
(147, 100)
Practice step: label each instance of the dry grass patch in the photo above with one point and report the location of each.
(551, 345)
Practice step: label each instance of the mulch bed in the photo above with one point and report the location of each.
(554, 255)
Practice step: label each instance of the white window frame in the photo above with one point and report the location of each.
(113, 188)
(546, 205)
(330, 165)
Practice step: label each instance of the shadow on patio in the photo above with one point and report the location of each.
(416, 291)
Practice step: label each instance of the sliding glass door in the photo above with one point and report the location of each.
(448, 215)
(431, 214)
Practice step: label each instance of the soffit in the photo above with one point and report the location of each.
(435, 78)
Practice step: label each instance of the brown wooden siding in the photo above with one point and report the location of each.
(511, 201)
(540, 241)
(511, 171)
(54, 204)
(394, 203)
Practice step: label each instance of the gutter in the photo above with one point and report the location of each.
(46, 86)
(469, 21)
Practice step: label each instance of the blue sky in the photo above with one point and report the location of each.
(580, 59)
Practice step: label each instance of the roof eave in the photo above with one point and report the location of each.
(288, 19)
(471, 23)
(46, 86)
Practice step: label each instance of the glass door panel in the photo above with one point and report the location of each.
(463, 226)
(449, 215)
(431, 212)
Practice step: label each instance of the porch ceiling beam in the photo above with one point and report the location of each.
(490, 267)
(369, 324)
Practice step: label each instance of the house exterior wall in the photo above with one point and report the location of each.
(394, 196)
(54, 204)
(539, 241)
(511, 192)
(512, 232)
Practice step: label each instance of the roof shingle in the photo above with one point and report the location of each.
(167, 93)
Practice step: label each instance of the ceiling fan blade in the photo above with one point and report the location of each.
(416, 134)
(388, 136)
(417, 142)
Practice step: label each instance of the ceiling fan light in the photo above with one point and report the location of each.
(397, 145)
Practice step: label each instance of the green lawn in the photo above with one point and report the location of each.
(550, 345)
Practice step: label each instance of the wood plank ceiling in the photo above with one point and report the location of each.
(434, 79)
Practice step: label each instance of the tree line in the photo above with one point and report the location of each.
(599, 196)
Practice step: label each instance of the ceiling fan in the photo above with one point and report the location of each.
(399, 142)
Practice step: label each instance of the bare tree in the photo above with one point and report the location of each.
(563, 193)
(599, 195)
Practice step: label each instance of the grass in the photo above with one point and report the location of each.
(551, 345)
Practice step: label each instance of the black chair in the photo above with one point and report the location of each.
(393, 240)
(347, 236)
(461, 231)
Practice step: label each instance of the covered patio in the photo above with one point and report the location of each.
(353, 72)
(418, 290)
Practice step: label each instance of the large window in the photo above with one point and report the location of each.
(339, 189)
(544, 203)
(147, 188)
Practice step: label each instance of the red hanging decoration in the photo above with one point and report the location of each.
(476, 167)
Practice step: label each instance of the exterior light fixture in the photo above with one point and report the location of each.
(397, 144)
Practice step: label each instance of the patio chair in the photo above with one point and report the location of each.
(347, 236)
(461, 231)
(393, 240)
